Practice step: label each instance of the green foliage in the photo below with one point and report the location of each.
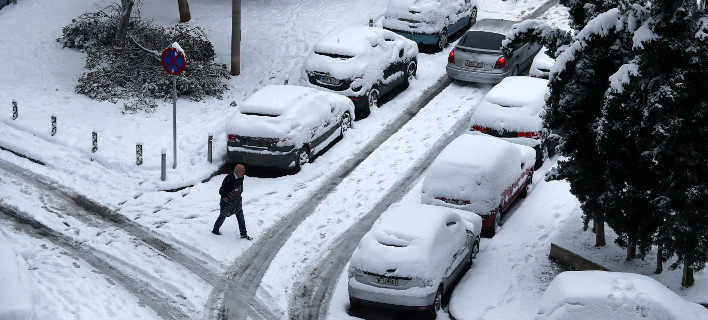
(116, 72)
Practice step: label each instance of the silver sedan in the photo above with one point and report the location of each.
(477, 57)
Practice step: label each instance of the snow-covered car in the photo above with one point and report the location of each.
(541, 65)
(480, 174)
(430, 22)
(285, 126)
(477, 57)
(513, 111)
(602, 295)
(362, 63)
(412, 256)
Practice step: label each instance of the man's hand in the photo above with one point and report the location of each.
(225, 199)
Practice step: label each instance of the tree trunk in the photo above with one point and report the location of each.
(184, 14)
(631, 249)
(600, 230)
(122, 32)
(586, 223)
(687, 280)
(659, 260)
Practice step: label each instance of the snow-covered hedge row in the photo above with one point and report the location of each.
(115, 72)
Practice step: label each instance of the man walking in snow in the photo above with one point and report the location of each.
(230, 203)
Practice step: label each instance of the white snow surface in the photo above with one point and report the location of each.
(541, 61)
(515, 104)
(414, 240)
(475, 168)
(602, 295)
(430, 15)
(16, 302)
(288, 112)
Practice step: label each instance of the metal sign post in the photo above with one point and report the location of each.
(173, 61)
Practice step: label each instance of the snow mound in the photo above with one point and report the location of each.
(16, 301)
(600, 295)
(412, 239)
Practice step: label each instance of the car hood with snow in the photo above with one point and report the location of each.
(411, 240)
(472, 172)
(357, 53)
(286, 112)
(516, 104)
(601, 295)
(421, 16)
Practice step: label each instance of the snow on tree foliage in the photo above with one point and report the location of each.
(135, 70)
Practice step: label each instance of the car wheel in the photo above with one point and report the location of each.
(303, 157)
(473, 18)
(442, 40)
(541, 156)
(525, 192)
(373, 98)
(411, 71)
(437, 303)
(346, 123)
(497, 222)
(475, 251)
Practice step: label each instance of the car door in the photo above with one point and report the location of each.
(394, 74)
(460, 15)
(320, 127)
(457, 261)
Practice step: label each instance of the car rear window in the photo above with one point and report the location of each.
(482, 40)
(260, 114)
(334, 55)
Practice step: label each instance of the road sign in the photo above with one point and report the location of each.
(173, 61)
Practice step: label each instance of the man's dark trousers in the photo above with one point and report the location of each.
(239, 217)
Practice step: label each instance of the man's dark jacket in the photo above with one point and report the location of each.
(231, 183)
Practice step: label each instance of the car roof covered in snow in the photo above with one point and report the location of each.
(542, 60)
(601, 295)
(351, 40)
(493, 25)
(413, 239)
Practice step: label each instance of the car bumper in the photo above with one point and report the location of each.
(389, 298)
(261, 158)
(419, 38)
(468, 75)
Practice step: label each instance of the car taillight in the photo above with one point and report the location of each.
(501, 63)
(354, 98)
(231, 137)
(451, 57)
(479, 128)
(528, 134)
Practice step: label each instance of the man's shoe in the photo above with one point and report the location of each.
(246, 237)
(216, 232)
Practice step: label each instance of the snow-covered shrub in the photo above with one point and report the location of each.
(116, 72)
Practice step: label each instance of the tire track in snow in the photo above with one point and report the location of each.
(163, 305)
(97, 214)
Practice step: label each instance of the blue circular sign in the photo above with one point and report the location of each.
(173, 61)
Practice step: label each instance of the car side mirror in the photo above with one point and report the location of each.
(400, 53)
(523, 165)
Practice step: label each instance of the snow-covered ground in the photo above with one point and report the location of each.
(277, 36)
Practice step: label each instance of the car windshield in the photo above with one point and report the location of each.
(334, 55)
(259, 114)
(482, 40)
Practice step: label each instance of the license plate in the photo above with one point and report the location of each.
(329, 80)
(473, 64)
(387, 281)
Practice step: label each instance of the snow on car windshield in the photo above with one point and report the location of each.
(281, 111)
(413, 239)
(475, 168)
(482, 40)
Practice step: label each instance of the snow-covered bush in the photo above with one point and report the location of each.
(134, 70)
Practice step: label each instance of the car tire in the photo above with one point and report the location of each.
(541, 156)
(475, 251)
(345, 124)
(525, 192)
(497, 223)
(437, 303)
(411, 72)
(372, 98)
(442, 40)
(473, 18)
(303, 157)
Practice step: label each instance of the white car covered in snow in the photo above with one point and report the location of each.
(541, 65)
(480, 174)
(601, 295)
(430, 22)
(412, 256)
(362, 63)
(285, 126)
(513, 111)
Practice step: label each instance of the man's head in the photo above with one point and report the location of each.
(239, 170)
